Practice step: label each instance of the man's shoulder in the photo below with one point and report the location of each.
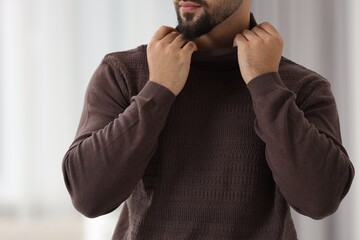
(295, 72)
(299, 78)
(128, 59)
(130, 68)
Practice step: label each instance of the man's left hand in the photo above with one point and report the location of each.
(259, 51)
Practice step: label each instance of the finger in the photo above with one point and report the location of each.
(267, 27)
(180, 41)
(190, 46)
(239, 39)
(260, 32)
(249, 34)
(162, 32)
(170, 37)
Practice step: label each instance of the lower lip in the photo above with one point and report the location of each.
(189, 9)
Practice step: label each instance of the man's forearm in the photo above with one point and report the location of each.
(102, 167)
(309, 165)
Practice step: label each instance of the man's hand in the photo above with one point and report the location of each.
(259, 51)
(169, 57)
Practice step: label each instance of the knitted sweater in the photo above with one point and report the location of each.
(222, 160)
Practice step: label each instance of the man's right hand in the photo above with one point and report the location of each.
(169, 57)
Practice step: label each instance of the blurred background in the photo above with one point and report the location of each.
(50, 48)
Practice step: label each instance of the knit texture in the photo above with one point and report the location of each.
(222, 160)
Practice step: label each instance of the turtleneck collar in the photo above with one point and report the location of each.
(217, 55)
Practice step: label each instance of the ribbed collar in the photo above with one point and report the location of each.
(217, 55)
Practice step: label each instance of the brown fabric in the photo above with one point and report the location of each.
(222, 160)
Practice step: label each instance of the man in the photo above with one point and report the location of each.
(208, 133)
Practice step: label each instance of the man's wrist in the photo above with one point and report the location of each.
(248, 78)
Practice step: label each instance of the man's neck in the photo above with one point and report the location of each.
(223, 35)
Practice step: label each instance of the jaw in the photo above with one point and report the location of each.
(224, 33)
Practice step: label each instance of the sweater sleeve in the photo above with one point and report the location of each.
(114, 142)
(303, 147)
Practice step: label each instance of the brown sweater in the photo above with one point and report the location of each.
(222, 160)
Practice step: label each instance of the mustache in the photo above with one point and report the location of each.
(199, 2)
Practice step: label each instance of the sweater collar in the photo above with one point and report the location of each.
(219, 54)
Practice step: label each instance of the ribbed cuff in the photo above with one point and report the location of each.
(264, 84)
(157, 93)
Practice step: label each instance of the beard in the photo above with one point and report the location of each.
(192, 26)
(202, 26)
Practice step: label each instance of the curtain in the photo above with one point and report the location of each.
(48, 52)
